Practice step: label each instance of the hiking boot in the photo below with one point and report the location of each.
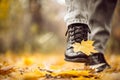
(97, 62)
(76, 33)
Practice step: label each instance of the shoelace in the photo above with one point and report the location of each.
(77, 33)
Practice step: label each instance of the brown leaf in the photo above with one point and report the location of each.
(6, 70)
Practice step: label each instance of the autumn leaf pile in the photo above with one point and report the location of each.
(51, 66)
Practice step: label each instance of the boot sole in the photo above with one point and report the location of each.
(79, 60)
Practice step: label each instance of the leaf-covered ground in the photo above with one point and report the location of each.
(52, 66)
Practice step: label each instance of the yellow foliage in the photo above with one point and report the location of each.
(85, 47)
(50, 67)
(4, 8)
(34, 74)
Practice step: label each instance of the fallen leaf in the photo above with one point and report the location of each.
(6, 70)
(85, 47)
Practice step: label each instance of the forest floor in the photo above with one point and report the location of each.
(52, 66)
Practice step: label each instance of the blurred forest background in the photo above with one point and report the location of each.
(38, 25)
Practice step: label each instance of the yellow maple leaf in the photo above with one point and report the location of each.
(85, 47)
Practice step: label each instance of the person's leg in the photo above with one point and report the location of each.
(100, 23)
(95, 14)
(77, 12)
(77, 23)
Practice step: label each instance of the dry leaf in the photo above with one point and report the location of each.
(71, 73)
(85, 47)
(32, 67)
(6, 70)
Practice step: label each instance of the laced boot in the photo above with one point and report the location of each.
(76, 33)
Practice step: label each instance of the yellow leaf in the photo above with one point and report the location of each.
(85, 47)
(34, 75)
(28, 60)
(71, 73)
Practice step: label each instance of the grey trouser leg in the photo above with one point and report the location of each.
(97, 14)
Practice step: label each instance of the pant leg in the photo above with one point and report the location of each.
(100, 23)
(96, 14)
(77, 11)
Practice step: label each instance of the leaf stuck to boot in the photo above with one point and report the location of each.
(85, 47)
